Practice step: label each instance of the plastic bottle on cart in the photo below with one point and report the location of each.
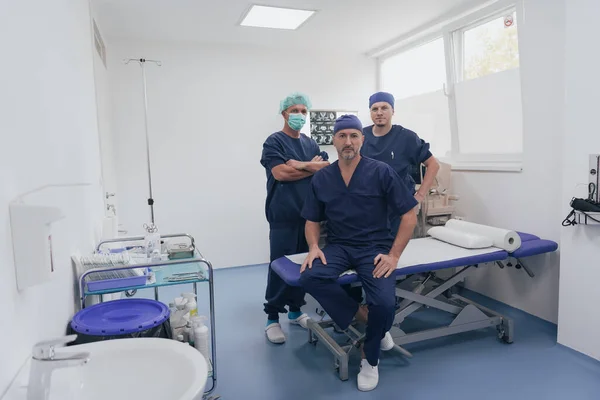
(152, 243)
(191, 305)
(201, 338)
(179, 317)
(188, 333)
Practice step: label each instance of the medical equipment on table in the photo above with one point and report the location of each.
(437, 208)
(180, 250)
(420, 285)
(587, 211)
(584, 211)
(180, 277)
(167, 271)
(105, 279)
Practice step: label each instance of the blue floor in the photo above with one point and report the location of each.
(467, 366)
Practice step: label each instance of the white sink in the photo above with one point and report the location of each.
(140, 368)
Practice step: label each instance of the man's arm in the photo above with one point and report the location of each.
(402, 202)
(314, 166)
(274, 159)
(385, 264)
(313, 212)
(312, 230)
(286, 173)
(432, 167)
(309, 166)
(405, 232)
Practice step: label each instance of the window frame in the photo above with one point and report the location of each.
(453, 36)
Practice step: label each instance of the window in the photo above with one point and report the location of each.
(487, 88)
(416, 78)
(490, 47)
(416, 71)
(471, 112)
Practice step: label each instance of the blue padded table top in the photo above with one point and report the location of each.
(425, 255)
(526, 237)
(420, 255)
(535, 247)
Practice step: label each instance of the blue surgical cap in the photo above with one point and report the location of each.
(347, 121)
(293, 99)
(381, 96)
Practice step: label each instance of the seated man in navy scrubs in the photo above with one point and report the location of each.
(398, 147)
(354, 194)
(290, 159)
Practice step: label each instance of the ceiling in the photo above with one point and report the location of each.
(355, 26)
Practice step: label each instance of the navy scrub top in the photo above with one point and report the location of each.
(285, 199)
(357, 214)
(401, 148)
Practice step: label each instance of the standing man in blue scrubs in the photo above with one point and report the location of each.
(290, 159)
(354, 195)
(398, 147)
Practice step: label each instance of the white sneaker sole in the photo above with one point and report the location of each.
(275, 339)
(301, 320)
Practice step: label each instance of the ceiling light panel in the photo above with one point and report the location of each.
(275, 17)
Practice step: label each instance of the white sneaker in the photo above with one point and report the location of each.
(387, 343)
(274, 333)
(368, 377)
(302, 320)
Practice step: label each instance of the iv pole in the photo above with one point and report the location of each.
(142, 62)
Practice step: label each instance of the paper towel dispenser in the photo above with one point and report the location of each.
(31, 227)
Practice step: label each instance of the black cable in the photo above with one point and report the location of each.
(591, 191)
(566, 221)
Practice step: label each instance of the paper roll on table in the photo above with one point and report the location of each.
(459, 238)
(501, 238)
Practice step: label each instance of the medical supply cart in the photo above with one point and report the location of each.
(168, 271)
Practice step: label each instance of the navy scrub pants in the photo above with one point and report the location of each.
(320, 282)
(285, 239)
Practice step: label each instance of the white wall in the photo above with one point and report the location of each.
(579, 319)
(529, 201)
(105, 133)
(210, 110)
(49, 135)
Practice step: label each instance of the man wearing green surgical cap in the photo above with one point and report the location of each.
(290, 159)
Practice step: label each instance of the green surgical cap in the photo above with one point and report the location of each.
(293, 99)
